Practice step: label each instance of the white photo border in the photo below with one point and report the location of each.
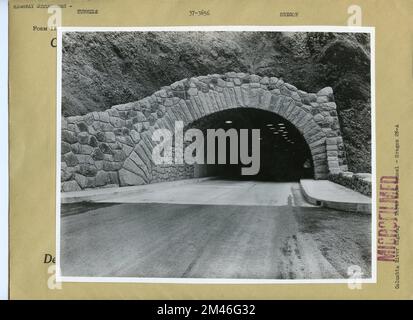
(335, 29)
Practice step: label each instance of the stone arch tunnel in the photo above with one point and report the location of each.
(301, 134)
(284, 153)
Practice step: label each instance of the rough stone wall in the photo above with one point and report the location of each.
(114, 147)
(360, 182)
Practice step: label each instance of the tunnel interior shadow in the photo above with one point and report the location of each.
(284, 154)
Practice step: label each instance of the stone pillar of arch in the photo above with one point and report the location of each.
(114, 147)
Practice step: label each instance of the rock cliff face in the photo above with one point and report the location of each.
(105, 69)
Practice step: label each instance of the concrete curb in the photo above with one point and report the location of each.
(320, 200)
(102, 194)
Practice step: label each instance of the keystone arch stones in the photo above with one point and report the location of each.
(114, 147)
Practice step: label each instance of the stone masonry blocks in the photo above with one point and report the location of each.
(113, 147)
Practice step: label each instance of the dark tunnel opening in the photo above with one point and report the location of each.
(284, 154)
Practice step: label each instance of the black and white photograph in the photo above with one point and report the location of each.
(215, 154)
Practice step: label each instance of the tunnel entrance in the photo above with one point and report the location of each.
(300, 133)
(284, 154)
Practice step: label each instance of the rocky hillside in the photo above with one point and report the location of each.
(104, 69)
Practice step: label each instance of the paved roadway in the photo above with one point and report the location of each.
(213, 229)
(213, 192)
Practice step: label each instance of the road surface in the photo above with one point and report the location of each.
(213, 229)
